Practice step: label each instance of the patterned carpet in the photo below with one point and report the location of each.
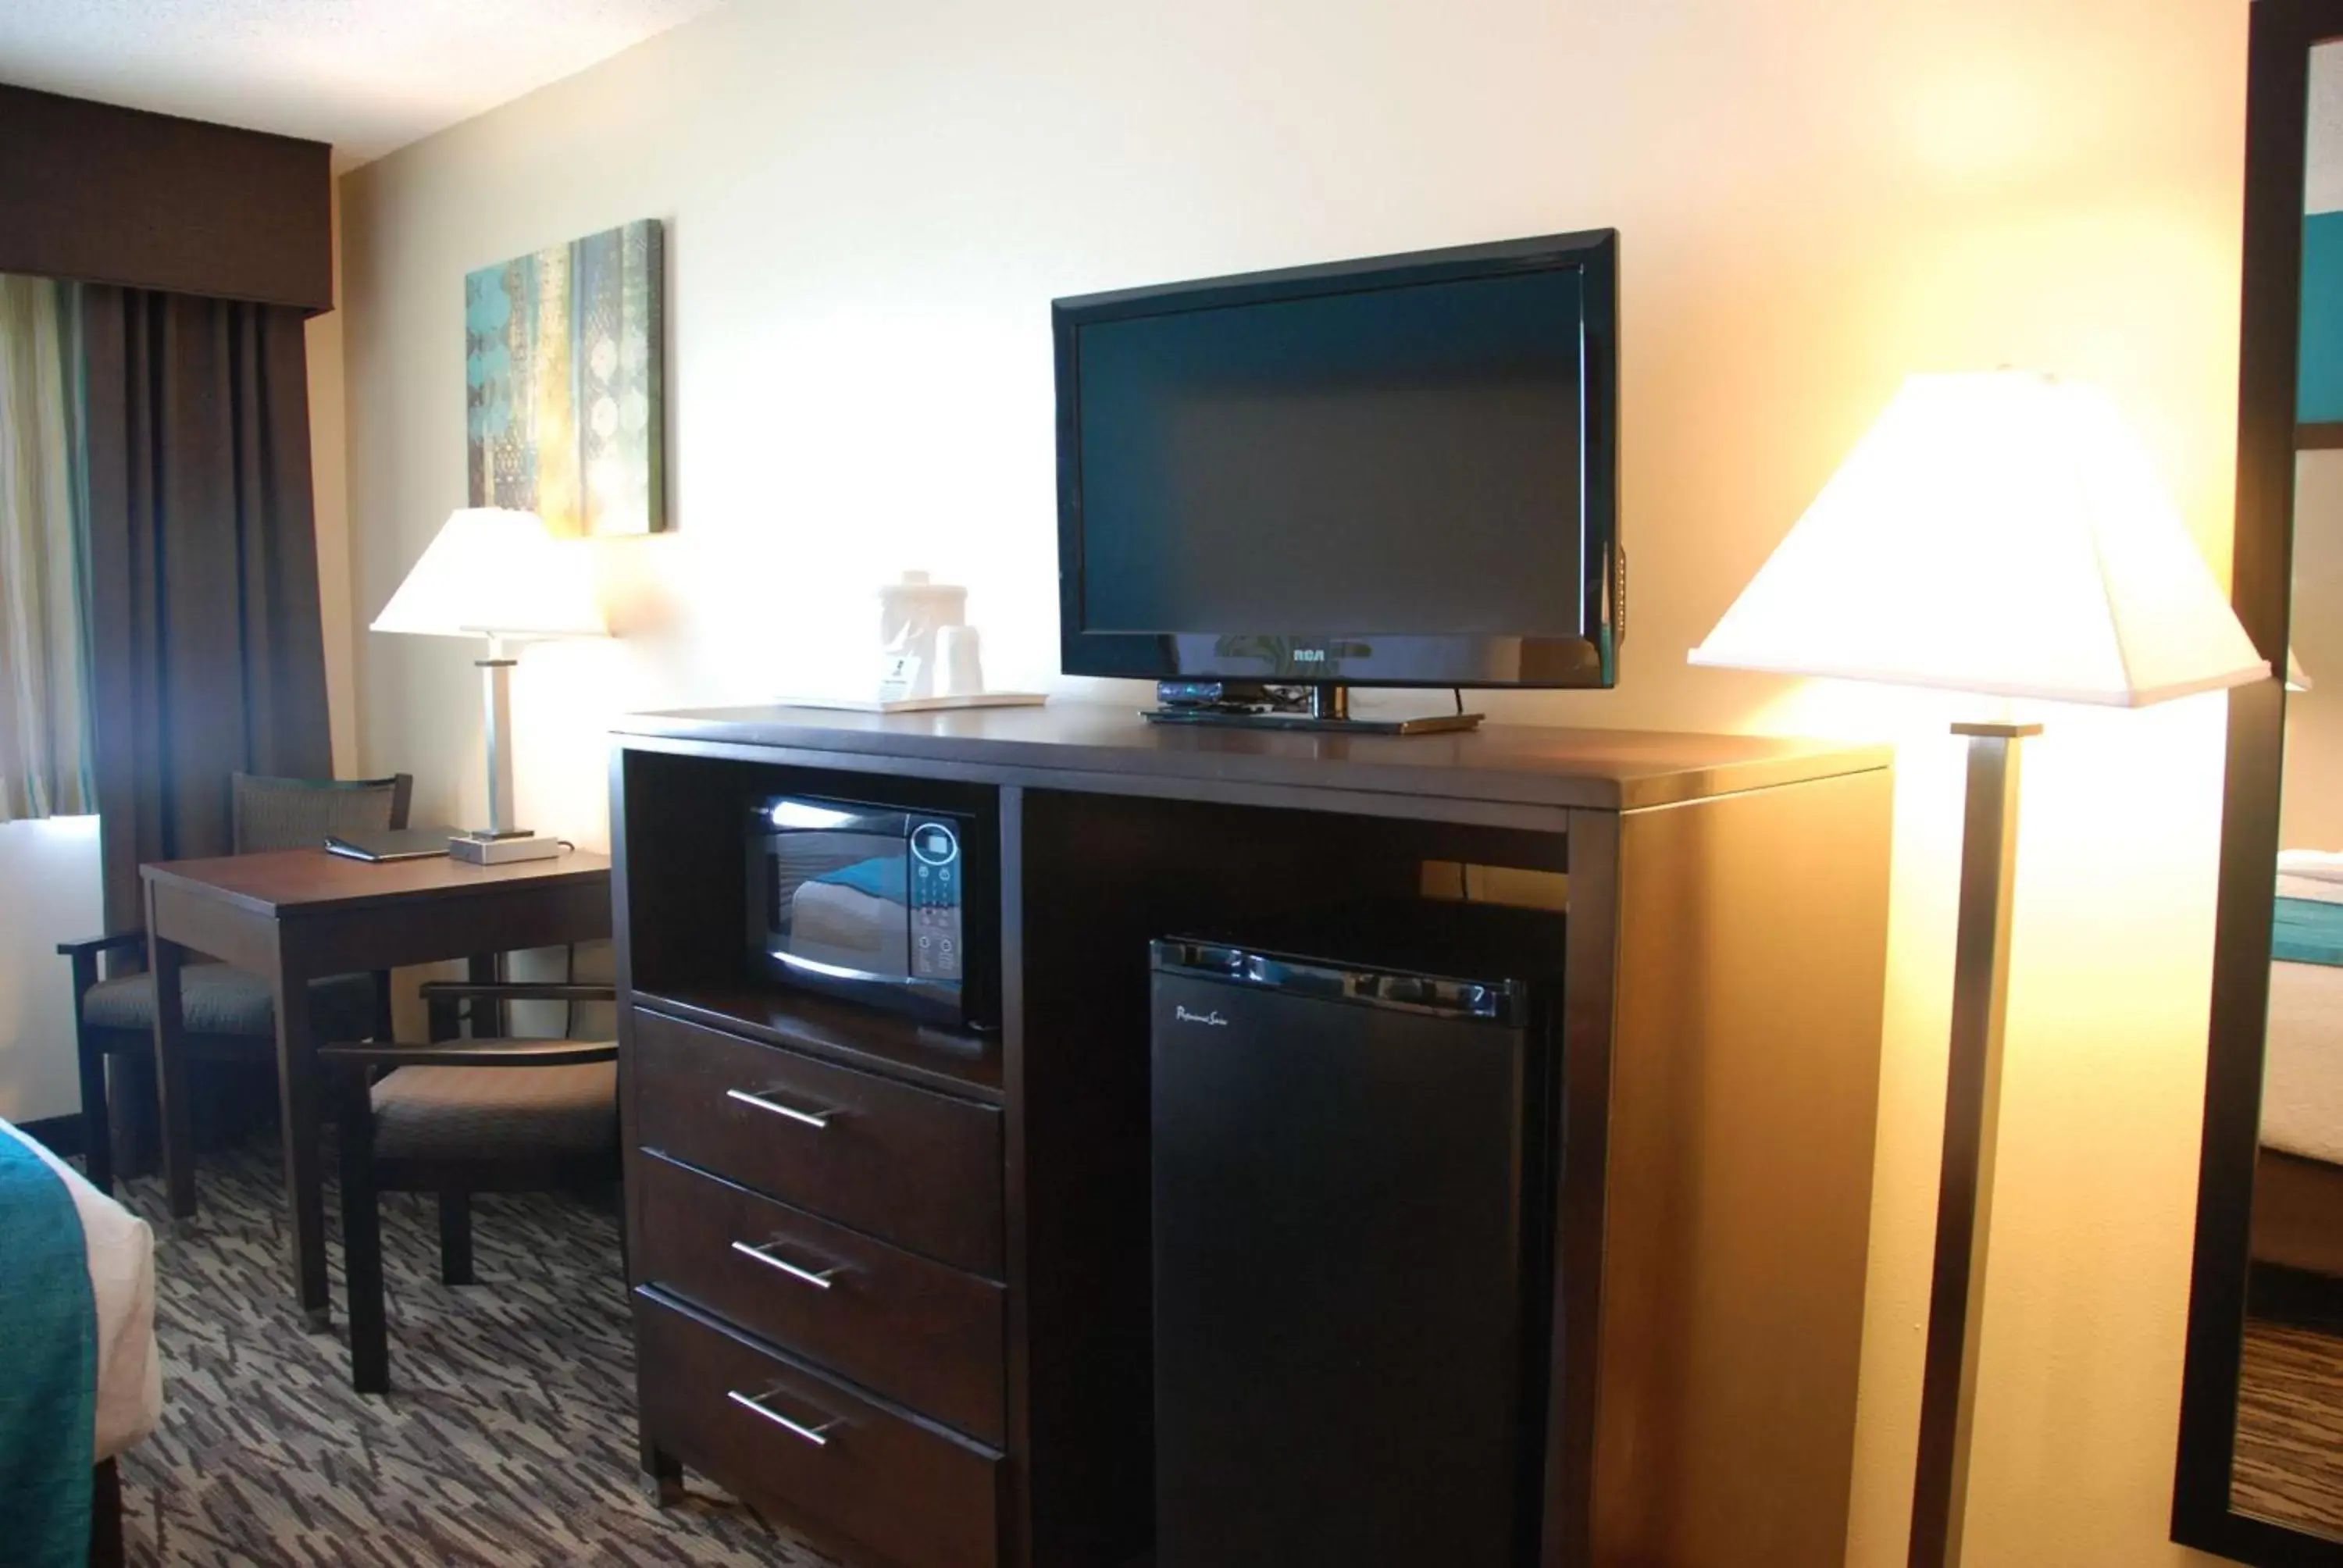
(508, 1438)
(2289, 1464)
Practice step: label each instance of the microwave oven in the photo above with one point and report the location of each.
(899, 909)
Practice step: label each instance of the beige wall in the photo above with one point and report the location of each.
(2312, 814)
(871, 205)
(329, 452)
(49, 889)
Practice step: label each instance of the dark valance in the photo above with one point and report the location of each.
(114, 195)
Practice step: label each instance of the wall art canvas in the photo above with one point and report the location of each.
(562, 361)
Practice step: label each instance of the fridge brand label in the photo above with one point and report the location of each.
(1212, 1020)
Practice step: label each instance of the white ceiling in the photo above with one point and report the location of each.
(368, 75)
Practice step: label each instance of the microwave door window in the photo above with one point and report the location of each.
(839, 903)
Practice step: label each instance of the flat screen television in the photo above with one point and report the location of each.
(1401, 471)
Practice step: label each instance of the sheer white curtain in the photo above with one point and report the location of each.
(45, 768)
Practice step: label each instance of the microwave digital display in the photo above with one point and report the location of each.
(936, 940)
(864, 901)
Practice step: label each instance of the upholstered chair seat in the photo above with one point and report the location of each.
(459, 1114)
(214, 999)
(477, 1112)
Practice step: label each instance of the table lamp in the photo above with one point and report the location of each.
(2003, 534)
(497, 574)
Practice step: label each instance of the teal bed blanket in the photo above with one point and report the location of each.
(2308, 931)
(48, 1367)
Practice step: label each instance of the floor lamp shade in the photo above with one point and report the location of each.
(2000, 533)
(2003, 534)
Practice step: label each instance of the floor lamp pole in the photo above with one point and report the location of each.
(1972, 1117)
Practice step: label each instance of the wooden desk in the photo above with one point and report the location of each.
(296, 915)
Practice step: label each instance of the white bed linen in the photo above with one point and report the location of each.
(2302, 1071)
(122, 1287)
(848, 927)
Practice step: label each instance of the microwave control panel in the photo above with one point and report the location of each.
(936, 874)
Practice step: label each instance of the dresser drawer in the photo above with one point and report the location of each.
(785, 1437)
(913, 1167)
(919, 1332)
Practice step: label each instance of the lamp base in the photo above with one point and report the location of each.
(502, 848)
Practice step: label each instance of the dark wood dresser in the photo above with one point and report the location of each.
(891, 1279)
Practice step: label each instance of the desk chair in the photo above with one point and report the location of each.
(229, 1014)
(459, 1116)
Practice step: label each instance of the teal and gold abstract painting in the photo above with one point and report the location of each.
(562, 353)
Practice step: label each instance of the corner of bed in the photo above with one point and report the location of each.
(80, 1287)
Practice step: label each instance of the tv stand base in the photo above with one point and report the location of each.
(1437, 723)
(1329, 710)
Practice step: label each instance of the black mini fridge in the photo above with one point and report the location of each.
(1350, 1265)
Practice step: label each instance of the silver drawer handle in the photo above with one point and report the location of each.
(817, 1435)
(817, 1119)
(820, 1281)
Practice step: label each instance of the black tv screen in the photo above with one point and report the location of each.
(1395, 472)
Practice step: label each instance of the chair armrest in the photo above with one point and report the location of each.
(90, 947)
(452, 1002)
(516, 990)
(473, 1053)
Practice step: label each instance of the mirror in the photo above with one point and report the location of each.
(2260, 1476)
(2288, 1462)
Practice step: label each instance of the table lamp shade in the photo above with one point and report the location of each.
(496, 573)
(2000, 533)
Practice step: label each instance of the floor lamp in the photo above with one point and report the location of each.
(496, 574)
(2002, 534)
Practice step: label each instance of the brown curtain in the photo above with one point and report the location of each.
(206, 653)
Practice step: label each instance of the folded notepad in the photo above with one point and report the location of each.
(391, 844)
